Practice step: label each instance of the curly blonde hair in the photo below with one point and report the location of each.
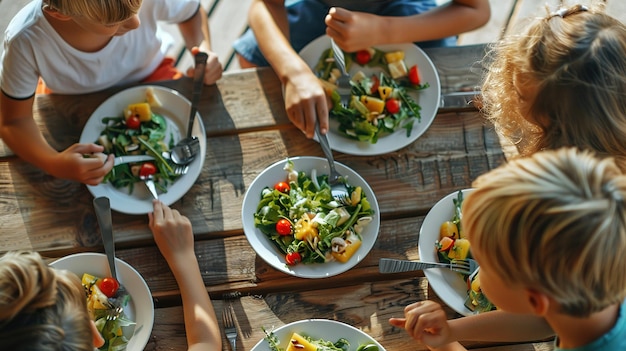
(41, 309)
(574, 58)
(99, 11)
(555, 222)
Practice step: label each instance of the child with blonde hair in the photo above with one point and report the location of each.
(561, 82)
(44, 309)
(82, 46)
(549, 233)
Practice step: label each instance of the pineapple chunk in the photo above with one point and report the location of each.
(141, 110)
(459, 250)
(298, 343)
(394, 56)
(353, 242)
(373, 104)
(152, 99)
(397, 69)
(385, 92)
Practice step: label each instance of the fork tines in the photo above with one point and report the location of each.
(228, 320)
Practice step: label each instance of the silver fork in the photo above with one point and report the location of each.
(390, 265)
(228, 320)
(344, 88)
(181, 169)
(114, 314)
(335, 179)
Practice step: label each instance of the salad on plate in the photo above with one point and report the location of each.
(380, 103)
(307, 225)
(138, 130)
(106, 304)
(303, 342)
(452, 244)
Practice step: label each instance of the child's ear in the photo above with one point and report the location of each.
(539, 302)
(52, 12)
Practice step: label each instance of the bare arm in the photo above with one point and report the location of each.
(197, 37)
(173, 235)
(426, 322)
(305, 100)
(22, 135)
(357, 30)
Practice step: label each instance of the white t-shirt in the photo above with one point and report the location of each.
(33, 49)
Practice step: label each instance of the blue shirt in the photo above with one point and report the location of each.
(614, 340)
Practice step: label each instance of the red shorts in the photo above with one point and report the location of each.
(165, 71)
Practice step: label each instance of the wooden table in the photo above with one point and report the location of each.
(247, 130)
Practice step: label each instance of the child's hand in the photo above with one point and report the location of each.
(172, 232)
(352, 30)
(72, 164)
(213, 70)
(426, 322)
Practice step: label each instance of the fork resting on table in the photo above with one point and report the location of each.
(228, 320)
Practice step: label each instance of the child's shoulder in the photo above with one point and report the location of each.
(25, 20)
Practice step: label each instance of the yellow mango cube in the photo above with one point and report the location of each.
(141, 110)
(394, 56)
(460, 250)
(385, 92)
(299, 343)
(373, 104)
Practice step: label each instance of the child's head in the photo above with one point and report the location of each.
(554, 223)
(98, 11)
(41, 308)
(562, 82)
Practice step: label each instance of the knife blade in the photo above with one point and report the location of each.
(460, 100)
(132, 158)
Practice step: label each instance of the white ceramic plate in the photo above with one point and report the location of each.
(448, 285)
(176, 110)
(320, 329)
(428, 99)
(140, 308)
(264, 246)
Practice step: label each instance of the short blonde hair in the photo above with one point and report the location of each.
(41, 309)
(576, 62)
(99, 11)
(554, 222)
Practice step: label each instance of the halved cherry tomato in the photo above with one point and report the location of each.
(283, 187)
(414, 75)
(362, 57)
(392, 105)
(283, 227)
(133, 122)
(108, 286)
(147, 169)
(293, 258)
(375, 84)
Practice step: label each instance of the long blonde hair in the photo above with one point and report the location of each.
(575, 59)
(41, 309)
(99, 11)
(554, 222)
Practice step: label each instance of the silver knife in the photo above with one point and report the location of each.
(460, 100)
(132, 158)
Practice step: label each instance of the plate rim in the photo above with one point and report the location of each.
(149, 325)
(365, 148)
(256, 237)
(329, 322)
(189, 178)
(438, 279)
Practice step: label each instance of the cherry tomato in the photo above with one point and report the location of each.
(147, 169)
(392, 105)
(133, 122)
(414, 75)
(362, 57)
(283, 227)
(375, 84)
(108, 286)
(283, 187)
(293, 258)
